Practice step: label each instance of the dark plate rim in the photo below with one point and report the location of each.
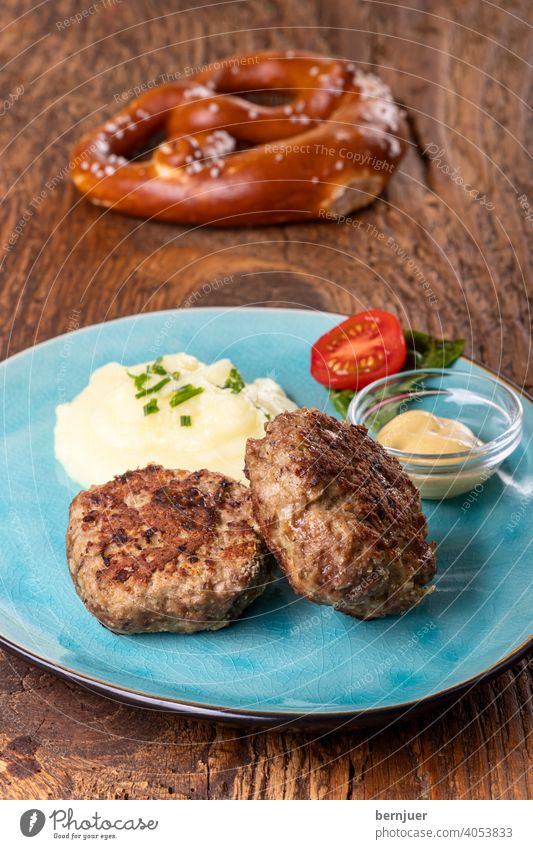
(265, 717)
(283, 719)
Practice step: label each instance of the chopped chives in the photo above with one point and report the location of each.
(185, 421)
(184, 393)
(151, 407)
(154, 388)
(157, 368)
(235, 381)
(138, 379)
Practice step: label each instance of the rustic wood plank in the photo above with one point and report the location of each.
(453, 266)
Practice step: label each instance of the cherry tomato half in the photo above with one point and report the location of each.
(365, 347)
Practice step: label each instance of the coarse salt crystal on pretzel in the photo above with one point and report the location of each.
(329, 151)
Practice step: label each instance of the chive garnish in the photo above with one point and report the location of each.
(235, 381)
(185, 421)
(154, 388)
(151, 407)
(138, 379)
(157, 368)
(184, 393)
(178, 397)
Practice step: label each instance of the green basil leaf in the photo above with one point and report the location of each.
(425, 351)
(340, 398)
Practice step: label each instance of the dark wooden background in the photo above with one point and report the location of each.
(462, 71)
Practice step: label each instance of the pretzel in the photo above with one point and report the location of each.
(228, 161)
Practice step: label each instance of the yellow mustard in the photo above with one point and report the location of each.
(418, 432)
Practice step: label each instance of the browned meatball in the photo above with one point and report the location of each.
(160, 550)
(342, 518)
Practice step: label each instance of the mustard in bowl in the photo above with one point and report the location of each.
(449, 429)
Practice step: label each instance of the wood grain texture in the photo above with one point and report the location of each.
(444, 260)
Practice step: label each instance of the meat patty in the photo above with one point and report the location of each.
(340, 515)
(160, 550)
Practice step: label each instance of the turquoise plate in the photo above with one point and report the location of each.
(287, 661)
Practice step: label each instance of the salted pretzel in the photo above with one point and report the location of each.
(227, 161)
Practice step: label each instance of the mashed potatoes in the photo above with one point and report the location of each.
(107, 430)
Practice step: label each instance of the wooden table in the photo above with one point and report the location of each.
(457, 265)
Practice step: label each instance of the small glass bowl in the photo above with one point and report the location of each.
(482, 402)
